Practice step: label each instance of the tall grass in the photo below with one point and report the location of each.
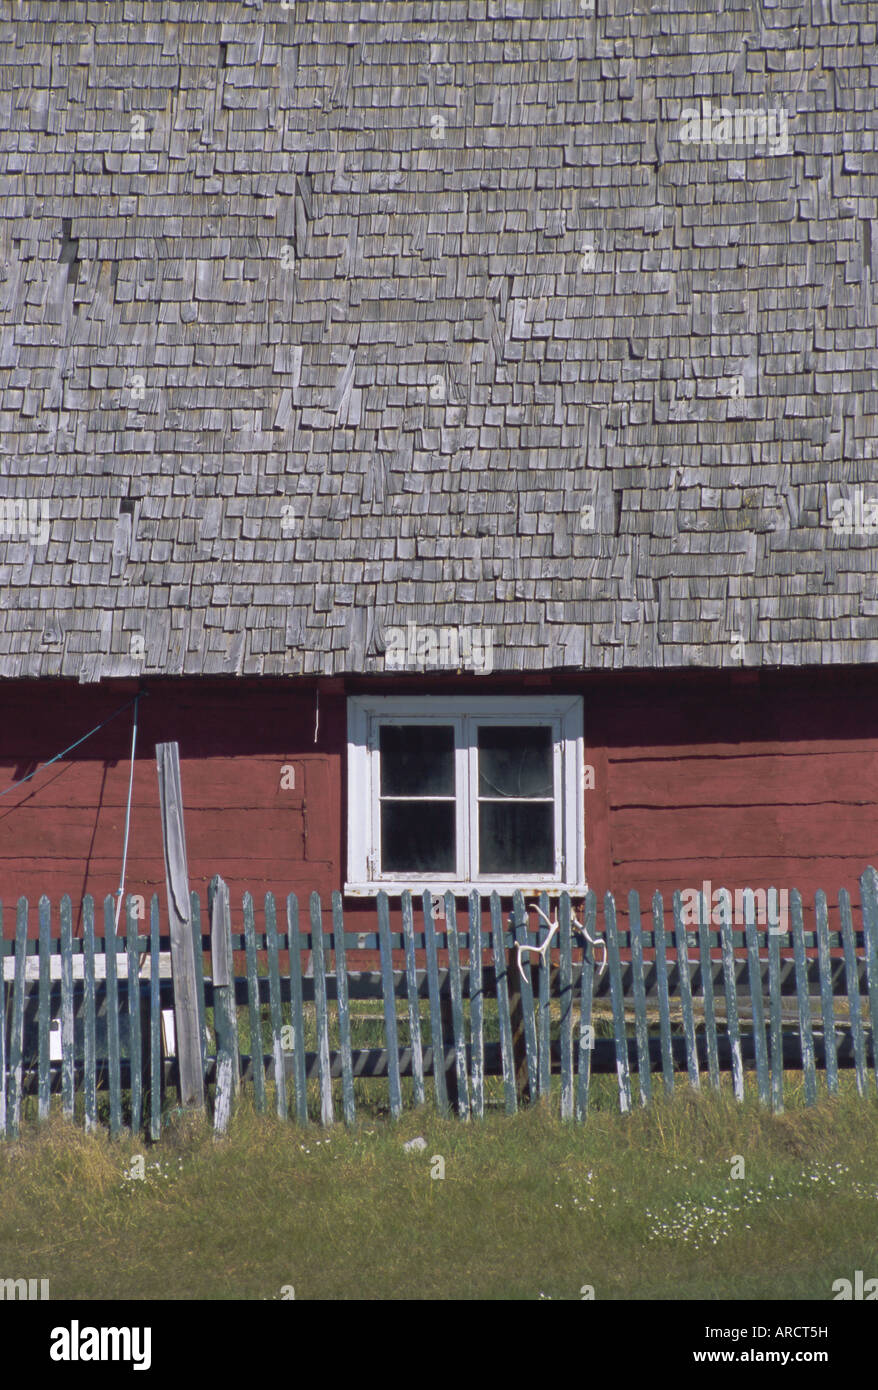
(641, 1206)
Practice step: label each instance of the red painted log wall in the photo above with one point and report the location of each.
(753, 782)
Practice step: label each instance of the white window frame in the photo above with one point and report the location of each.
(564, 713)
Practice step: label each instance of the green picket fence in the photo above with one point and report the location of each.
(475, 994)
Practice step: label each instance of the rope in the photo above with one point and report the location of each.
(121, 887)
(109, 718)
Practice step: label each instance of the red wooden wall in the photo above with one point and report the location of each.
(743, 782)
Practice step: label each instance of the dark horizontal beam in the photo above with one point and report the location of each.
(372, 1062)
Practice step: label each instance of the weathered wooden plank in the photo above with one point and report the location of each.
(684, 986)
(618, 1001)
(869, 903)
(476, 1006)
(390, 1030)
(204, 1040)
(641, 1028)
(827, 1009)
(754, 975)
(344, 1012)
(156, 1073)
(586, 994)
(776, 1022)
(89, 1033)
(225, 1012)
(68, 1058)
(733, 1027)
(254, 1010)
(112, 1006)
(457, 1024)
(500, 969)
(806, 1035)
(852, 982)
(414, 1010)
(525, 989)
(44, 1014)
(16, 1039)
(544, 1016)
(297, 1011)
(436, 1039)
(135, 1048)
(565, 933)
(705, 932)
(275, 1010)
(321, 1010)
(664, 1001)
(187, 1031)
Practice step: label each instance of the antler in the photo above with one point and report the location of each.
(553, 927)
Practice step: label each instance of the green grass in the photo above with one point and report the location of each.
(639, 1207)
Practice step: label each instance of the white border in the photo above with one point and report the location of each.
(361, 818)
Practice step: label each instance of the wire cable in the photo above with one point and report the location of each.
(69, 749)
(121, 888)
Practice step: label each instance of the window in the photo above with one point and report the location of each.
(465, 792)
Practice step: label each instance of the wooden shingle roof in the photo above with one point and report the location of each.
(320, 320)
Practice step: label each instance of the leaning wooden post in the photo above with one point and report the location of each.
(188, 1041)
(224, 1011)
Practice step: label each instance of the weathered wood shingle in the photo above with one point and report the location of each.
(319, 320)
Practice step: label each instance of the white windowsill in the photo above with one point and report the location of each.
(461, 890)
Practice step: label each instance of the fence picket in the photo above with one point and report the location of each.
(731, 990)
(198, 954)
(565, 933)
(684, 986)
(664, 1000)
(776, 1029)
(457, 1006)
(254, 1008)
(806, 1036)
(525, 986)
(344, 1012)
(135, 1052)
(641, 1028)
(112, 1006)
(436, 1039)
(272, 946)
(586, 993)
(869, 902)
(318, 956)
(16, 1040)
(754, 975)
(68, 1056)
(155, 1025)
(500, 968)
(852, 982)
(44, 1014)
(618, 1001)
(476, 1007)
(414, 1000)
(296, 1013)
(89, 1030)
(705, 925)
(544, 1017)
(826, 1004)
(390, 1029)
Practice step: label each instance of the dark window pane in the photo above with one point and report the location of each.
(417, 837)
(515, 761)
(516, 837)
(417, 759)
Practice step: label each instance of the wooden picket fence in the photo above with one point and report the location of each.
(743, 996)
